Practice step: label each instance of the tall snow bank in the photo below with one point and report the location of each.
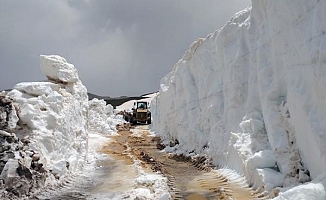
(55, 113)
(51, 131)
(255, 87)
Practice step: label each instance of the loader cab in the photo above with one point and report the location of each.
(141, 113)
(141, 105)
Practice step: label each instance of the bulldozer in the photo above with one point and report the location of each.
(140, 113)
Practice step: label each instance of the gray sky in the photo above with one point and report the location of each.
(120, 47)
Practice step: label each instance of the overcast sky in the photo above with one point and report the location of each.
(120, 47)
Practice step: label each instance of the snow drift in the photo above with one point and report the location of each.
(252, 95)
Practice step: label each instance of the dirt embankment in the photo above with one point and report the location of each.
(188, 178)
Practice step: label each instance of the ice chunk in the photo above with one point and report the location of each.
(262, 159)
(56, 68)
(270, 178)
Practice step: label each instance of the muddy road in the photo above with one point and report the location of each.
(190, 179)
(123, 158)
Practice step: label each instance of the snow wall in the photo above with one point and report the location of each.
(43, 128)
(252, 94)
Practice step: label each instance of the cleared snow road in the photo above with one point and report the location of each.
(130, 166)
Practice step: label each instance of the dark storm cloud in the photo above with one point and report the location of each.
(28, 29)
(119, 47)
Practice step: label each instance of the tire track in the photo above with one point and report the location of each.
(189, 178)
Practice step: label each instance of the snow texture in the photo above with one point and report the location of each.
(57, 68)
(252, 95)
(101, 117)
(44, 127)
(55, 113)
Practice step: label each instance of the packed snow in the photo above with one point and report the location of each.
(252, 96)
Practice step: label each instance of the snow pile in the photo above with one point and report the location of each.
(101, 117)
(46, 122)
(252, 95)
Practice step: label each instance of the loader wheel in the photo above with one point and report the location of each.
(149, 121)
